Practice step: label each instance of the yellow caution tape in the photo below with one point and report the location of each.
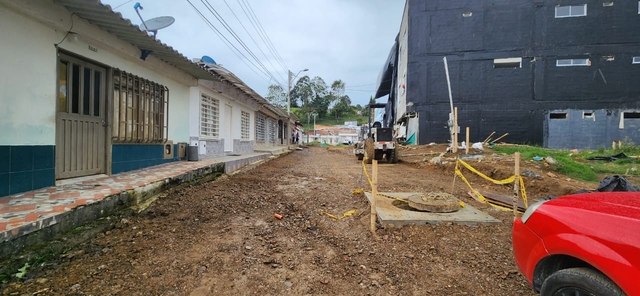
(345, 215)
(364, 168)
(357, 191)
(472, 169)
(505, 181)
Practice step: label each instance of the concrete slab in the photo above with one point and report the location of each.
(397, 213)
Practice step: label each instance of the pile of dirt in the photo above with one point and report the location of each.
(222, 237)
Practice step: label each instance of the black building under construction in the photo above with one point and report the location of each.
(563, 74)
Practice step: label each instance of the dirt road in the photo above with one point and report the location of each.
(222, 238)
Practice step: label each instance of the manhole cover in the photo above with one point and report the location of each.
(437, 202)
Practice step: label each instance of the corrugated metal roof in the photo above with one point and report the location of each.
(224, 74)
(106, 19)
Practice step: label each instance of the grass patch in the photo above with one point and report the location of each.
(576, 165)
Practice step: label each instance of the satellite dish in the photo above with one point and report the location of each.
(154, 24)
(208, 60)
(157, 23)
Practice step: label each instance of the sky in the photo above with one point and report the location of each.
(335, 39)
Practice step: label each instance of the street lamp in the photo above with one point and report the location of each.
(291, 78)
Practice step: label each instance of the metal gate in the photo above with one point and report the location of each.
(80, 125)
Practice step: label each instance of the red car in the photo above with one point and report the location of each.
(582, 244)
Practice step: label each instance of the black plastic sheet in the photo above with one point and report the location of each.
(609, 158)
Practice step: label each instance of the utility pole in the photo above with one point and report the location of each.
(289, 92)
(288, 109)
(289, 80)
(314, 122)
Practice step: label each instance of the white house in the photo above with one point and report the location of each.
(85, 92)
(228, 117)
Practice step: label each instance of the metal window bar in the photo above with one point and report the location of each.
(244, 125)
(140, 109)
(260, 128)
(209, 117)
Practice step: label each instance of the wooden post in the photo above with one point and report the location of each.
(496, 140)
(488, 138)
(516, 185)
(468, 144)
(455, 130)
(455, 175)
(613, 145)
(374, 193)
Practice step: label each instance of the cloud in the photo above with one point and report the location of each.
(334, 39)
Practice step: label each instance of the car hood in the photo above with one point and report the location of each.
(623, 204)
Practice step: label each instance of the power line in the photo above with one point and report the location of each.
(121, 4)
(238, 39)
(254, 41)
(255, 23)
(263, 31)
(229, 44)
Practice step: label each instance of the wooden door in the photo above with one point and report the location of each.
(80, 125)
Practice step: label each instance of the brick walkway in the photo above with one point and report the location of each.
(21, 210)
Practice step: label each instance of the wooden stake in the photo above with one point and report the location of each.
(468, 144)
(374, 193)
(453, 184)
(516, 185)
(487, 139)
(496, 140)
(455, 130)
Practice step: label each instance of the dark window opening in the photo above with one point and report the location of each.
(629, 115)
(558, 116)
(506, 65)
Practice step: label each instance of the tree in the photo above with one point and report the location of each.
(337, 88)
(277, 96)
(342, 107)
(365, 109)
(302, 91)
(312, 93)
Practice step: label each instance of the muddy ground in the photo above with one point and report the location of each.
(222, 238)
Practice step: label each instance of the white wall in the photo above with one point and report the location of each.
(236, 108)
(28, 59)
(403, 50)
(27, 99)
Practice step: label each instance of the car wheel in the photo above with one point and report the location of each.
(578, 282)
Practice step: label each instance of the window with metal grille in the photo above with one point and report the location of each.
(245, 120)
(140, 109)
(273, 126)
(209, 117)
(261, 135)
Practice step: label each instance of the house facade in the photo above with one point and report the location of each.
(545, 71)
(228, 117)
(85, 92)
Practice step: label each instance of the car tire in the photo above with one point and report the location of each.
(572, 281)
